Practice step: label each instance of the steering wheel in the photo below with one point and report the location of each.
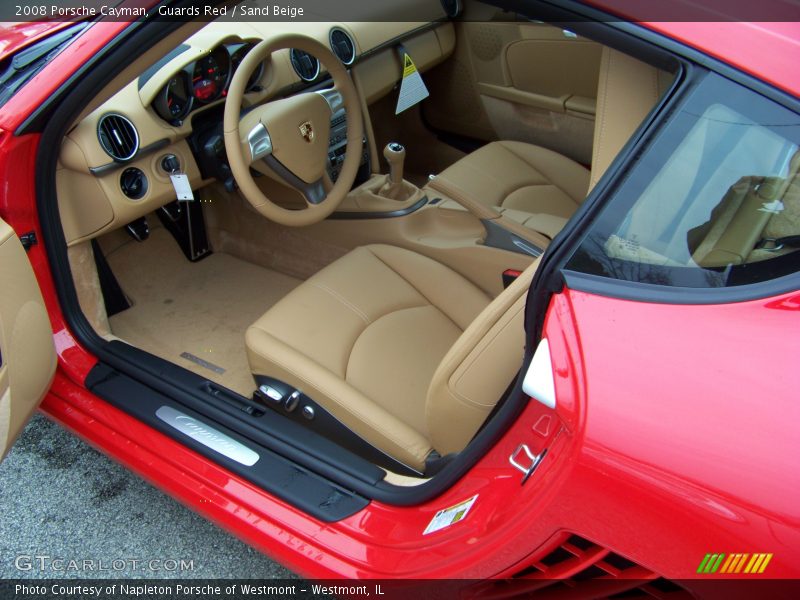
(290, 136)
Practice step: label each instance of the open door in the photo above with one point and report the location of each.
(27, 353)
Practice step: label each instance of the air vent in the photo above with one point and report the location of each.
(574, 567)
(118, 137)
(342, 46)
(305, 65)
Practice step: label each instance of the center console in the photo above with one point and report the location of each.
(337, 147)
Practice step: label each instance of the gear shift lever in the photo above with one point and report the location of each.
(373, 195)
(394, 154)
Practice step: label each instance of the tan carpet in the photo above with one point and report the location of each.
(201, 308)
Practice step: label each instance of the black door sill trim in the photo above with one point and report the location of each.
(272, 472)
(295, 443)
(269, 429)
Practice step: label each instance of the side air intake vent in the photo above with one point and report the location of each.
(343, 46)
(118, 137)
(305, 65)
(574, 567)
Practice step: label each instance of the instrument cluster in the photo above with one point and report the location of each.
(203, 81)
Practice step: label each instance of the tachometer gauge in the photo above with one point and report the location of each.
(210, 75)
(174, 101)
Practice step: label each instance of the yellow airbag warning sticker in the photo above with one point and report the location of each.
(412, 88)
(448, 516)
(408, 66)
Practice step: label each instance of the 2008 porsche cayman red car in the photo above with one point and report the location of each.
(508, 291)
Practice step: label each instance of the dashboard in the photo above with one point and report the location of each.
(112, 167)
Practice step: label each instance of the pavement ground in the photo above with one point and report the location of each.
(62, 499)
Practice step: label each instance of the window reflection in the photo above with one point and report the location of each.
(727, 197)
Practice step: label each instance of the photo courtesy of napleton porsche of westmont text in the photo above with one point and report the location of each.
(189, 590)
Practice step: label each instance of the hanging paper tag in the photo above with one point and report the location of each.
(183, 189)
(412, 88)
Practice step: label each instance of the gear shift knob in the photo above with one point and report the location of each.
(395, 154)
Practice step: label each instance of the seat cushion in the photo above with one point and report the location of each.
(363, 338)
(521, 176)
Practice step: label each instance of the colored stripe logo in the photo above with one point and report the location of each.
(736, 563)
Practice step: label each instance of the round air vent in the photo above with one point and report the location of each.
(342, 46)
(118, 136)
(305, 65)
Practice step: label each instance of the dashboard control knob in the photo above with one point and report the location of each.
(133, 183)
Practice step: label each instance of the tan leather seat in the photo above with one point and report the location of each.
(542, 189)
(398, 347)
(521, 176)
(406, 352)
(627, 91)
(739, 223)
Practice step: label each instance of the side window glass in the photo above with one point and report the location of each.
(715, 201)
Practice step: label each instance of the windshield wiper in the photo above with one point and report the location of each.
(28, 62)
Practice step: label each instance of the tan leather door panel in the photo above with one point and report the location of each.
(519, 80)
(555, 71)
(27, 353)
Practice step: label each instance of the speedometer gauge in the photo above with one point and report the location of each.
(236, 59)
(174, 101)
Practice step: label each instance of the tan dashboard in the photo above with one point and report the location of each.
(154, 115)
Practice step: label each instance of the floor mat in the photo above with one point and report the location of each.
(198, 309)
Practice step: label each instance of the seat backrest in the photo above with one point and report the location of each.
(627, 90)
(755, 208)
(786, 221)
(478, 369)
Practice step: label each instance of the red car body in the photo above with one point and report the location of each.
(697, 457)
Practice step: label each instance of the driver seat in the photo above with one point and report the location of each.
(399, 348)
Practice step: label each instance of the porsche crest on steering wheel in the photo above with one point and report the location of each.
(307, 131)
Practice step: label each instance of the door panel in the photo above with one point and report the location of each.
(27, 353)
(521, 81)
(554, 68)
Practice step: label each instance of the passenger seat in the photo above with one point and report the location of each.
(542, 189)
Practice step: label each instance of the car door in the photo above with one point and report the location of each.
(27, 352)
(680, 300)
